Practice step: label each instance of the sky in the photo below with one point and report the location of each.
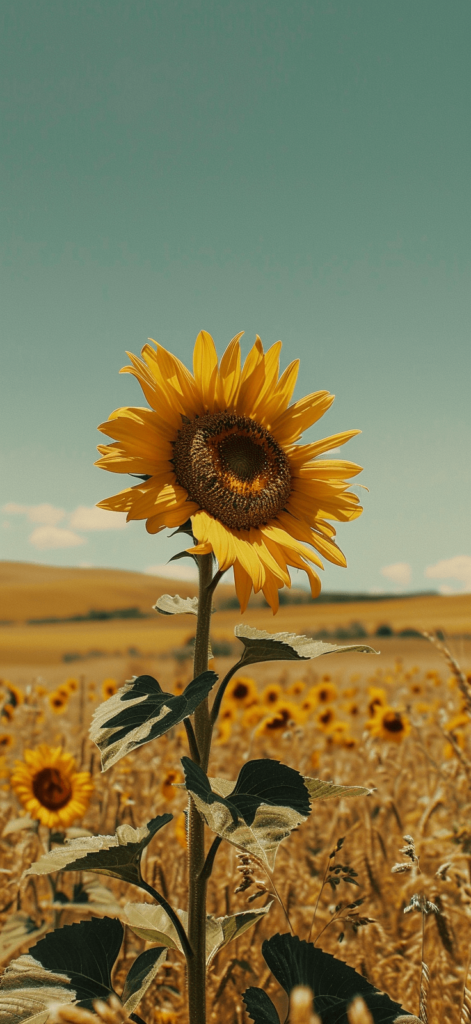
(300, 171)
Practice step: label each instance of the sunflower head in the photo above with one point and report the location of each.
(6, 742)
(389, 724)
(241, 692)
(108, 688)
(219, 447)
(71, 685)
(172, 776)
(58, 702)
(49, 787)
(324, 692)
(325, 719)
(271, 694)
(285, 714)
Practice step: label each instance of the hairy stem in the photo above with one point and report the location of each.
(197, 880)
(222, 688)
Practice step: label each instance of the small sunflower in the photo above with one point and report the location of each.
(324, 692)
(108, 688)
(376, 699)
(6, 742)
(296, 688)
(271, 694)
(71, 685)
(389, 724)
(50, 788)
(15, 696)
(58, 702)
(241, 691)
(285, 713)
(325, 719)
(218, 447)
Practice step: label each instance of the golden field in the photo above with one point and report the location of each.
(40, 592)
(327, 718)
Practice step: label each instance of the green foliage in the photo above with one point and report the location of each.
(255, 813)
(73, 964)
(141, 711)
(118, 855)
(262, 646)
(152, 923)
(333, 983)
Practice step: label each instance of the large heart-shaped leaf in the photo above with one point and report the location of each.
(255, 813)
(260, 1007)
(333, 982)
(262, 646)
(141, 711)
(72, 965)
(167, 605)
(118, 855)
(151, 923)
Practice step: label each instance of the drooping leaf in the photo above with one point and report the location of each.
(18, 929)
(333, 982)
(151, 923)
(319, 790)
(260, 1007)
(141, 711)
(140, 976)
(118, 855)
(177, 605)
(262, 646)
(255, 813)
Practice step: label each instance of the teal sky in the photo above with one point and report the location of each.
(298, 170)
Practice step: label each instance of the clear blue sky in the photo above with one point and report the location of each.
(298, 170)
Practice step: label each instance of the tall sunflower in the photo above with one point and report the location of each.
(50, 788)
(218, 447)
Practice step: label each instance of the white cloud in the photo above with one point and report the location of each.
(92, 518)
(457, 568)
(173, 571)
(47, 515)
(399, 572)
(46, 538)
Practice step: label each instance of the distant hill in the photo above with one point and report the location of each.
(29, 591)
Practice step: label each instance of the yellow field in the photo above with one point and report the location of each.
(33, 591)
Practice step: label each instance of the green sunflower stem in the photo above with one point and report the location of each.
(197, 878)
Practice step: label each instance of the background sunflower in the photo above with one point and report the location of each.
(49, 787)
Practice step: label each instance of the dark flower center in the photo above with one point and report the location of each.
(233, 468)
(392, 722)
(52, 789)
(240, 692)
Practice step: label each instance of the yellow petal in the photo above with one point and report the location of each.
(328, 469)
(304, 452)
(171, 517)
(288, 427)
(205, 362)
(229, 372)
(243, 585)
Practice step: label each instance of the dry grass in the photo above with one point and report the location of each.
(421, 789)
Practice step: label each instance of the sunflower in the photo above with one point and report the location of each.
(15, 696)
(285, 713)
(325, 719)
(218, 447)
(108, 688)
(50, 788)
(271, 694)
(241, 692)
(294, 689)
(71, 685)
(389, 724)
(323, 693)
(58, 702)
(377, 699)
(6, 741)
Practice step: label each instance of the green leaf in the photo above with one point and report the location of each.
(85, 953)
(260, 1007)
(18, 929)
(118, 855)
(333, 982)
(141, 711)
(151, 923)
(177, 605)
(73, 964)
(262, 646)
(256, 812)
(140, 976)
(319, 790)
